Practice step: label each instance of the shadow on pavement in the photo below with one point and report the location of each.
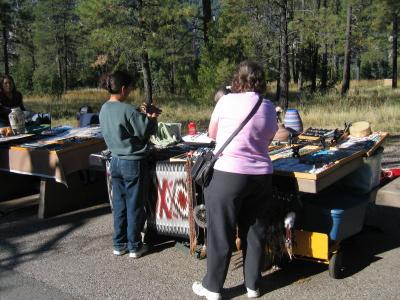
(24, 222)
(380, 234)
(295, 271)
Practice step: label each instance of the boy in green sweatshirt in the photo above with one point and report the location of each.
(126, 132)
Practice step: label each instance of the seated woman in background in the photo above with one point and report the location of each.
(9, 98)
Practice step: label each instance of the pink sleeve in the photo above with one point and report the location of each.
(213, 127)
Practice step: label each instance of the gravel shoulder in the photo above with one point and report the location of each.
(391, 155)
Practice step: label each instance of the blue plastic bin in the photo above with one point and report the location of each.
(340, 215)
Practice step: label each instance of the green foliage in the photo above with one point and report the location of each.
(211, 76)
(56, 45)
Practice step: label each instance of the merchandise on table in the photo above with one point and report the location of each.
(292, 151)
(283, 133)
(6, 131)
(311, 133)
(167, 134)
(313, 163)
(17, 120)
(193, 154)
(8, 139)
(171, 202)
(56, 145)
(199, 138)
(368, 143)
(293, 120)
(58, 130)
(360, 129)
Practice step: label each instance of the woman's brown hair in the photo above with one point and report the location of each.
(249, 77)
(9, 77)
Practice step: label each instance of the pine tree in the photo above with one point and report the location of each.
(347, 58)
(54, 39)
(6, 28)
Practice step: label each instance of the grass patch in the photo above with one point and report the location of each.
(367, 100)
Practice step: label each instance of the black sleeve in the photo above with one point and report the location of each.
(4, 110)
(18, 100)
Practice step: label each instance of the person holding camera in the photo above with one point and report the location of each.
(126, 131)
(240, 190)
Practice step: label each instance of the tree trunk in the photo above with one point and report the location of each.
(314, 63)
(148, 89)
(324, 65)
(293, 72)
(300, 81)
(207, 14)
(284, 59)
(65, 42)
(145, 61)
(336, 63)
(394, 50)
(314, 58)
(347, 54)
(300, 62)
(5, 51)
(278, 88)
(335, 56)
(278, 79)
(324, 68)
(172, 79)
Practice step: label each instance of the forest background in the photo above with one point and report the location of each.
(181, 51)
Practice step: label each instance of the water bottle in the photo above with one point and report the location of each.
(192, 130)
(17, 120)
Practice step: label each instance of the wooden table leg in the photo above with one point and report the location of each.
(85, 188)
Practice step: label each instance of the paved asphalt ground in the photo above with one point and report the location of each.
(69, 257)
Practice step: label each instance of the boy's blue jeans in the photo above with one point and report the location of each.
(128, 183)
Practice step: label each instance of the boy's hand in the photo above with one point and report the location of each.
(150, 110)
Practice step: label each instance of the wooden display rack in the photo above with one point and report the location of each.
(313, 183)
(383, 135)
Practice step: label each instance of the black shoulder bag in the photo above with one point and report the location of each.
(202, 169)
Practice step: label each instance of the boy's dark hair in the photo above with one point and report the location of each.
(117, 80)
(249, 77)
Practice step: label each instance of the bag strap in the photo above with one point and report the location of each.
(249, 116)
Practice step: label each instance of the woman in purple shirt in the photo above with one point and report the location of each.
(239, 193)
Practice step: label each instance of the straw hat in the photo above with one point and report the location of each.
(360, 129)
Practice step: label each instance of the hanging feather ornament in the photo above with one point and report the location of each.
(238, 242)
(289, 223)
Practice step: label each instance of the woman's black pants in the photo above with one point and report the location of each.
(236, 200)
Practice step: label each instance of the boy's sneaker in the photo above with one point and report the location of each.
(201, 291)
(138, 253)
(253, 293)
(120, 252)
